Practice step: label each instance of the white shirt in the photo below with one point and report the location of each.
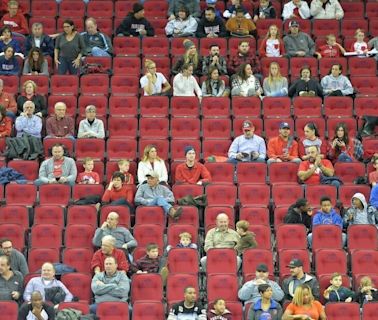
(185, 86)
(156, 88)
(288, 9)
(272, 48)
(145, 167)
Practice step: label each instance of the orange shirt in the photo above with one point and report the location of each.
(276, 146)
(313, 311)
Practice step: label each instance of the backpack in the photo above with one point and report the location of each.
(68, 314)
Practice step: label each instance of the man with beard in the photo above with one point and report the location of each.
(211, 26)
(214, 60)
(299, 213)
(244, 55)
(189, 308)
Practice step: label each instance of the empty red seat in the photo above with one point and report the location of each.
(20, 194)
(146, 287)
(154, 106)
(307, 106)
(221, 172)
(291, 236)
(369, 310)
(15, 233)
(122, 127)
(147, 310)
(125, 106)
(15, 214)
(78, 258)
(64, 84)
(282, 198)
(343, 310)
(349, 171)
(124, 85)
(9, 310)
(149, 233)
(215, 107)
(150, 215)
(315, 192)
(221, 261)
(58, 194)
(364, 261)
(362, 67)
(221, 194)
(246, 107)
(185, 127)
(328, 261)
(255, 215)
(121, 148)
(277, 107)
(283, 172)
(222, 285)
(82, 214)
(263, 235)
(155, 46)
(183, 260)
(44, 9)
(78, 284)
(126, 46)
(72, 8)
(79, 236)
(338, 106)
(322, 27)
(249, 171)
(99, 9)
(11, 83)
(46, 236)
(184, 106)
(254, 194)
(353, 10)
(94, 148)
(38, 256)
(361, 236)
(94, 84)
(81, 191)
(51, 214)
(365, 105)
(28, 168)
(215, 147)
(326, 237)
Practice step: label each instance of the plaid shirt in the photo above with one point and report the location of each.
(146, 264)
(239, 59)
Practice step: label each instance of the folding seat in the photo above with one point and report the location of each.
(190, 217)
(348, 45)
(276, 107)
(254, 194)
(215, 107)
(177, 47)
(285, 256)
(246, 107)
(349, 171)
(46, 236)
(279, 214)
(174, 231)
(146, 287)
(315, 192)
(94, 148)
(147, 310)
(78, 214)
(9, 309)
(283, 172)
(11, 84)
(126, 46)
(164, 65)
(156, 9)
(159, 27)
(181, 190)
(369, 146)
(177, 282)
(71, 8)
(79, 236)
(41, 81)
(282, 61)
(328, 261)
(353, 10)
(38, 256)
(338, 106)
(48, 22)
(155, 46)
(221, 261)
(281, 197)
(263, 25)
(124, 85)
(296, 64)
(205, 44)
(149, 233)
(362, 237)
(121, 148)
(221, 194)
(211, 213)
(365, 105)
(221, 172)
(162, 145)
(249, 172)
(183, 261)
(122, 127)
(185, 106)
(79, 258)
(94, 84)
(364, 261)
(80, 191)
(14, 232)
(343, 310)
(79, 284)
(185, 128)
(322, 27)
(28, 168)
(305, 25)
(253, 257)
(100, 9)
(346, 192)
(64, 84)
(215, 147)
(67, 143)
(44, 9)
(69, 100)
(20, 194)
(291, 236)
(50, 214)
(271, 125)
(263, 235)
(362, 67)
(300, 123)
(369, 310)
(154, 106)
(105, 25)
(325, 64)
(58, 194)
(373, 26)
(349, 26)
(16, 214)
(222, 285)
(326, 237)
(150, 215)
(83, 307)
(255, 215)
(125, 106)
(101, 103)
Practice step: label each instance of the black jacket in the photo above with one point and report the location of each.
(24, 311)
(130, 25)
(205, 27)
(296, 218)
(47, 45)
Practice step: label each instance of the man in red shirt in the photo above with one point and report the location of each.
(192, 171)
(108, 249)
(8, 102)
(310, 171)
(15, 19)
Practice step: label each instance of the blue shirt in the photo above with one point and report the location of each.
(242, 144)
(30, 125)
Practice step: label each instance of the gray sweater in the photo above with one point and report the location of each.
(146, 194)
(115, 288)
(121, 234)
(14, 283)
(17, 261)
(70, 49)
(46, 171)
(300, 42)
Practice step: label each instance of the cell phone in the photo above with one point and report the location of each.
(57, 178)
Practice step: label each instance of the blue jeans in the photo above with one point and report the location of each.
(343, 157)
(161, 202)
(98, 52)
(10, 115)
(66, 65)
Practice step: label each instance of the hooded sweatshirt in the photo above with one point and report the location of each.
(366, 215)
(206, 27)
(130, 25)
(327, 218)
(330, 83)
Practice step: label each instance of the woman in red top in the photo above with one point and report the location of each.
(272, 45)
(5, 123)
(118, 193)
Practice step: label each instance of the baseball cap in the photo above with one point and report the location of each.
(152, 174)
(247, 125)
(284, 125)
(293, 23)
(295, 263)
(211, 1)
(262, 267)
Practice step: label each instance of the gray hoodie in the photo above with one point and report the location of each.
(367, 215)
(114, 288)
(300, 42)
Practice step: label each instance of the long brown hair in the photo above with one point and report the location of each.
(36, 65)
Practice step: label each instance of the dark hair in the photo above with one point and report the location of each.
(213, 45)
(186, 66)
(208, 80)
(336, 64)
(325, 198)
(36, 65)
(210, 9)
(151, 246)
(263, 287)
(305, 68)
(301, 202)
(5, 28)
(118, 174)
(188, 287)
(241, 71)
(3, 111)
(184, 9)
(238, 10)
(71, 23)
(312, 126)
(345, 137)
(7, 47)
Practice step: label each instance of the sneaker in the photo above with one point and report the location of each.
(175, 213)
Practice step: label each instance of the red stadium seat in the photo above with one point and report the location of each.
(253, 257)
(28, 168)
(263, 25)
(121, 148)
(99, 101)
(349, 171)
(150, 215)
(205, 44)
(78, 284)
(123, 212)
(94, 148)
(283, 172)
(105, 25)
(222, 285)
(184, 106)
(362, 67)
(44, 9)
(154, 106)
(233, 44)
(338, 106)
(126, 46)
(185, 127)
(325, 64)
(177, 46)
(41, 81)
(248, 172)
(51, 214)
(364, 261)
(146, 287)
(99, 9)
(326, 237)
(183, 260)
(149, 233)
(161, 144)
(71, 8)
(349, 26)
(155, 46)
(83, 307)
(94, 84)
(38, 256)
(46, 236)
(69, 100)
(81, 191)
(153, 127)
(305, 25)
(255, 215)
(279, 215)
(211, 213)
(9, 309)
(366, 105)
(263, 235)
(362, 237)
(127, 66)
(58, 194)
(283, 63)
(291, 236)
(79, 214)
(67, 143)
(147, 310)
(123, 106)
(221, 194)
(276, 107)
(174, 231)
(176, 283)
(78, 258)
(125, 85)
(215, 107)
(296, 64)
(221, 261)
(49, 23)
(64, 84)
(254, 194)
(328, 261)
(369, 310)
(11, 84)
(350, 123)
(315, 192)
(215, 147)
(271, 125)
(159, 26)
(353, 9)
(246, 107)
(122, 127)
(282, 198)
(221, 172)
(365, 85)
(16, 214)
(20, 194)
(14, 232)
(346, 192)
(343, 310)
(79, 236)
(188, 218)
(300, 123)
(322, 27)
(285, 256)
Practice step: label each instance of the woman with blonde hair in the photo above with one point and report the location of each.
(30, 94)
(191, 56)
(153, 83)
(304, 306)
(272, 45)
(35, 63)
(151, 161)
(275, 85)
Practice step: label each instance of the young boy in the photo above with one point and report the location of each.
(336, 292)
(219, 311)
(332, 49)
(373, 176)
(360, 212)
(124, 167)
(185, 242)
(150, 263)
(88, 176)
(247, 238)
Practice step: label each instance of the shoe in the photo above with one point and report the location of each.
(175, 213)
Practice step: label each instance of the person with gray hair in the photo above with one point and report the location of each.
(28, 122)
(38, 39)
(91, 127)
(97, 43)
(60, 125)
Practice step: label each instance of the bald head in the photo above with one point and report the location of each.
(60, 109)
(112, 220)
(222, 221)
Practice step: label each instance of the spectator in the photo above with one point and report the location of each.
(124, 167)
(91, 127)
(15, 19)
(154, 194)
(6, 39)
(326, 9)
(88, 176)
(191, 6)
(247, 238)
(275, 85)
(151, 161)
(60, 125)
(190, 56)
(211, 26)
(331, 49)
(36, 308)
(311, 170)
(326, 215)
(189, 308)
(35, 63)
(231, 10)
(299, 277)
(283, 148)
(191, 171)
(183, 24)
(8, 63)
(185, 242)
(108, 249)
(248, 147)
(28, 123)
(220, 236)
(336, 292)
(69, 48)
(373, 176)
(304, 305)
(45, 282)
(300, 213)
(311, 138)
(154, 83)
(296, 9)
(366, 291)
(118, 193)
(240, 26)
(214, 59)
(97, 44)
(58, 169)
(249, 292)
(298, 43)
(7, 101)
(374, 196)
(5, 123)
(135, 24)
(360, 212)
(11, 281)
(335, 83)
(360, 46)
(38, 39)
(150, 263)
(265, 10)
(243, 56)
(110, 285)
(213, 86)
(213, 4)
(373, 44)
(185, 85)
(30, 94)
(272, 45)
(305, 86)
(245, 84)
(265, 306)
(219, 311)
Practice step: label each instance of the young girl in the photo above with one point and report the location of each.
(272, 45)
(274, 84)
(366, 291)
(8, 63)
(360, 46)
(214, 86)
(7, 40)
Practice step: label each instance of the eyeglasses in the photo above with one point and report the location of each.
(7, 248)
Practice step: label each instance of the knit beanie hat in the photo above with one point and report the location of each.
(137, 7)
(188, 44)
(188, 148)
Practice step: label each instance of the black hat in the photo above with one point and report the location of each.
(137, 7)
(295, 263)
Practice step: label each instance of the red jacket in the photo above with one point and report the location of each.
(262, 49)
(192, 175)
(276, 146)
(8, 102)
(125, 192)
(5, 127)
(17, 23)
(99, 259)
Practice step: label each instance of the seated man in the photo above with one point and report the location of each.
(17, 259)
(211, 26)
(60, 125)
(248, 147)
(97, 43)
(154, 194)
(299, 213)
(8, 101)
(135, 24)
(189, 308)
(15, 19)
(244, 55)
(297, 43)
(91, 127)
(28, 122)
(240, 26)
(37, 39)
(36, 309)
(214, 59)
(58, 169)
(11, 282)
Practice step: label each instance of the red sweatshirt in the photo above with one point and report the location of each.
(192, 175)
(125, 192)
(17, 23)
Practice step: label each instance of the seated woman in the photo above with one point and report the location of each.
(305, 86)
(152, 162)
(184, 25)
(29, 94)
(5, 123)
(274, 84)
(213, 86)
(191, 56)
(244, 83)
(8, 62)
(311, 138)
(35, 63)
(91, 127)
(336, 84)
(6, 39)
(265, 307)
(272, 45)
(153, 83)
(185, 85)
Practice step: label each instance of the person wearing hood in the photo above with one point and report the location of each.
(266, 307)
(211, 26)
(335, 83)
(219, 311)
(360, 212)
(135, 24)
